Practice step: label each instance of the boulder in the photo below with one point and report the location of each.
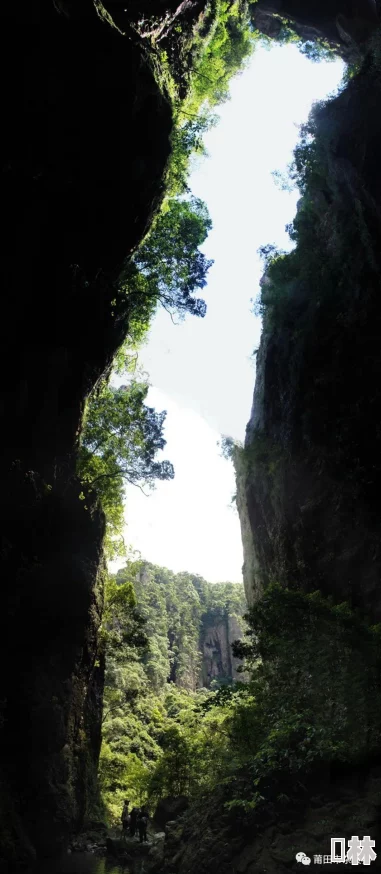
(170, 808)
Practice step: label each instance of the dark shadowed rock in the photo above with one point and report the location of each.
(308, 496)
(259, 844)
(85, 144)
(342, 24)
(170, 808)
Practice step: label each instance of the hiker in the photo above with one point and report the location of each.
(142, 824)
(125, 817)
(133, 818)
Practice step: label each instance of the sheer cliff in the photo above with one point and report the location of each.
(309, 475)
(85, 144)
(219, 630)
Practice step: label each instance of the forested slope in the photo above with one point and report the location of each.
(159, 679)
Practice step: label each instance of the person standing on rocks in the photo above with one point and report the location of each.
(142, 824)
(125, 817)
(133, 818)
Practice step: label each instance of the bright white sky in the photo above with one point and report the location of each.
(200, 371)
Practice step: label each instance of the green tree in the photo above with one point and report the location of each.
(187, 142)
(169, 267)
(122, 623)
(120, 439)
(221, 56)
(121, 436)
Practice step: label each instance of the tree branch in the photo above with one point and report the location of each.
(113, 475)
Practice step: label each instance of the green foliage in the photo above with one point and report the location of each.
(121, 436)
(221, 56)
(324, 266)
(174, 607)
(296, 711)
(168, 266)
(120, 439)
(187, 143)
(262, 453)
(228, 447)
(158, 736)
(276, 284)
(252, 741)
(195, 748)
(122, 623)
(219, 49)
(246, 741)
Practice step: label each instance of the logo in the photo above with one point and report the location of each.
(360, 852)
(301, 857)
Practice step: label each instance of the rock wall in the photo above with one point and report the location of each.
(85, 141)
(252, 571)
(310, 469)
(343, 24)
(219, 630)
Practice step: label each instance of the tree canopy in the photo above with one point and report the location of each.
(120, 440)
(121, 435)
(168, 268)
(230, 43)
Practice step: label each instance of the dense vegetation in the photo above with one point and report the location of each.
(157, 738)
(244, 743)
(296, 713)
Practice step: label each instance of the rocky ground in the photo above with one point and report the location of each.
(163, 832)
(103, 841)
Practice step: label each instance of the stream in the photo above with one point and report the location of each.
(88, 863)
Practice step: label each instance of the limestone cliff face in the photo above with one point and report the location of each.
(218, 631)
(310, 473)
(252, 571)
(85, 144)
